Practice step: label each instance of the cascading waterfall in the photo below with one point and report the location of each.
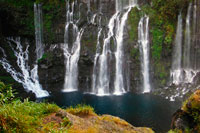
(186, 73)
(187, 47)
(71, 49)
(176, 71)
(187, 64)
(194, 25)
(103, 82)
(119, 54)
(143, 40)
(98, 47)
(38, 30)
(184, 68)
(101, 73)
(28, 78)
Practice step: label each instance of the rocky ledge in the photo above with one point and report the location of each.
(187, 119)
(93, 123)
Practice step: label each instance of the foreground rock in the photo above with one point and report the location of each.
(187, 119)
(92, 123)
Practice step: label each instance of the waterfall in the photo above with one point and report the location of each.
(194, 25)
(176, 72)
(122, 4)
(104, 73)
(101, 84)
(143, 40)
(71, 49)
(98, 48)
(38, 30)
(186, 73)
(119, 54)
(28, 78)
(187, 46)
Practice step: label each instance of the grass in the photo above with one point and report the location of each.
(116, 120)
(81, 110)
(29, 117)
(24, 116)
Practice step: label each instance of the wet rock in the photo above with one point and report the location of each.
(188, 117)
(51, 69)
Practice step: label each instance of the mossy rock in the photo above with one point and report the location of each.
(188, 118)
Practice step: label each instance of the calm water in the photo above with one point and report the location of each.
(138, 109)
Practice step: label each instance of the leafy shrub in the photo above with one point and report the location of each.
(6, 93)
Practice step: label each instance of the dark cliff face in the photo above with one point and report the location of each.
(18, 22)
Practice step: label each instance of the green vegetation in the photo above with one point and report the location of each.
(134, 18)
(192, 107)
(24, 116)
(163, 15)
(20, 15)
(29, 117)
(7, 79)
(48, 56)
(6, 93)
(157, 43)
(179, 131)
(163, 18)
(81, 110)
(161, 72)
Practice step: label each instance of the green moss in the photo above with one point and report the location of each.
(157, 43)
(161, 73)
(48, 56)
(192, 108)
(134, 18)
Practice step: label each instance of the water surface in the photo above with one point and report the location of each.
(138, 109)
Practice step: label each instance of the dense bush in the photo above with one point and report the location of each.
(6, 93)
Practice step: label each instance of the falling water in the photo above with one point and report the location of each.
(28, 78)
(143, 40)
(187, 47)
(119, 54)
(189, 72)
(71, 49)
(184, 69)
(176, 71)
(122, 4)
(104, 74)
(38, 30)
(101, 77)
(194, 35)
(94, 75)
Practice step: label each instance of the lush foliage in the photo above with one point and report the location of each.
(6, 93)
(163, 18)
(24, 116)
(29, 117)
